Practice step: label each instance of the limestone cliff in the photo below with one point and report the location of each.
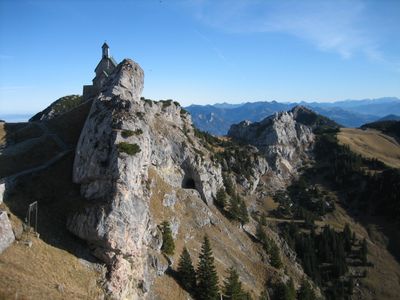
(285, 142)
(122, 137)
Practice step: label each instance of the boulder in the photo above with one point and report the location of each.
(6, 232)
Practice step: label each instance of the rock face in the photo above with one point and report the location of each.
(123, 136)
(2, 191)
(281, 139)
(6, 232)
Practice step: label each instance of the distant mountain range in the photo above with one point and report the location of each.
(218, 118)
(390, 118)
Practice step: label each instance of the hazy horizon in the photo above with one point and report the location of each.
(25, 116)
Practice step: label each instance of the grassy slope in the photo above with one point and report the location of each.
(231, 246)
(372, 144)
(50, 269)
(383, 278)
(44, 272)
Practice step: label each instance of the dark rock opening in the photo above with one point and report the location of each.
(188, 183)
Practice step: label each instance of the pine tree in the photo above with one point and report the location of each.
(284, 291)
(306, 292)
(263, 219)
(364, 251)
(233, 287)
(260, 233)
(168, 245)
(291, 290)
(186, 272)
(228, 185)
(243, 214)
(274, 255)
(207, 278)
(351, 286)
(264, 295)
(220, 200)
(234, 207)
(347, 238)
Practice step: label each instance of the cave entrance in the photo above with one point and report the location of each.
(188, 183)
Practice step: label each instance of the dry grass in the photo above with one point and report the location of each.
(165, 287)
(269, 204)
(2, 133)
(372, 144)
(44, 272)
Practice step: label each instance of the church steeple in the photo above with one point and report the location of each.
(106, 52)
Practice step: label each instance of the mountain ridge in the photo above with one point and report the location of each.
(217, 119)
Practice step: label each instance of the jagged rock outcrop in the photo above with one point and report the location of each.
(123, 136)
(6, 232)
(281, 139)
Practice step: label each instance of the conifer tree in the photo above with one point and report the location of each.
(364, 251)
(275, 257)
(347, 238)
(207, 278)
(291, 290)
(232, 286)
(220, 200)
(306, 292)
(260, 233)
(284, 291)
(351, 286)
(186, 272)
(168, 245)
(264, 295)
(234, 207)
(263, 219)
(228, 185)
(243, 214)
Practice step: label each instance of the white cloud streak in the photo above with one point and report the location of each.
(335, 26)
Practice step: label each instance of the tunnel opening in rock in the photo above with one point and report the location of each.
(188, 183)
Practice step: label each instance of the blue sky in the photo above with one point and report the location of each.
(202, 51)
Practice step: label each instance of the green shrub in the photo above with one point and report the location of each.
(168, 245)
(140, 115)
(166, 103)
(147, 101)
(130, 149)
(127, 133)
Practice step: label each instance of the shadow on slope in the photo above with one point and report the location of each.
(51, 186)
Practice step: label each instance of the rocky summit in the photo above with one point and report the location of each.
(122, 138)
(285, 142)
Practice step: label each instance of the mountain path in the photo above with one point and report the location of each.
(63, 146)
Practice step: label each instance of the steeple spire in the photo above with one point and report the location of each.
(106, 52)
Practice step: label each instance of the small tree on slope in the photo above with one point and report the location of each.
(233, 287)
(186, 272)
(207, 278)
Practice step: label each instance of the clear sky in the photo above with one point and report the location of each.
(202, 51)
